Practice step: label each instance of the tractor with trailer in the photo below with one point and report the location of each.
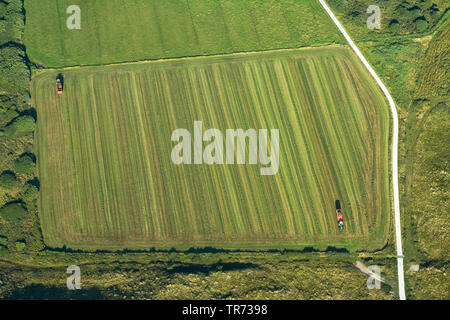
(339, 215)
(60, 83)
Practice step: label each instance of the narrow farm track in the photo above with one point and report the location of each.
(398, 229)
(105, 167)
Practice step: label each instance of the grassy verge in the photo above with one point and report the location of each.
(287, 275)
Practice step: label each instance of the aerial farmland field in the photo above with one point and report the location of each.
(224, 149)
(104, 153)
(118, 31)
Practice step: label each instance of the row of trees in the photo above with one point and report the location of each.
(399, 16)
(18, 185)
(414, 17)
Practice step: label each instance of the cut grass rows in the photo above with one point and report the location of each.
(108, 182)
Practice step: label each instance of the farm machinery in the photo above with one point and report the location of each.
(59, 83)
(339, 215)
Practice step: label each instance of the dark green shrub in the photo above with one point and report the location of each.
(14, 68)
(3, 250)
(435, 14)
(394, 26)
(413, 13)
(14, 99)
(30, 192)
(6, 115)
(3, 241)
(401, 12)
(20, 245)
(13, 20)
(421, 24)
(13, 212)
(24, 165)
(8, 180)
(21, 126)
(2, 9)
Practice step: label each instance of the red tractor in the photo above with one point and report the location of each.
(59, 83)
(339, 215)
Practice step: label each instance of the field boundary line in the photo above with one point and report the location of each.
(182, 58)
(398, 236)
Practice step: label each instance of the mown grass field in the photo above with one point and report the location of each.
(119, 30)
(104, 153)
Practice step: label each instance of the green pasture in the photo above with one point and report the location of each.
(104, 153)
(121, 30)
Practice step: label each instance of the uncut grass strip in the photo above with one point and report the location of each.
(251, 86)
(230, 98)
(361, 181)
(289, 93)
(318, 100)
(309, 98)
(324, 121)
(219, 103)
(308, 154)
(328, 210)
(266, 116)
(160, 221)
(290, 148)
(205, 87)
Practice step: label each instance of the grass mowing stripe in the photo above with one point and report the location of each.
(322, 117)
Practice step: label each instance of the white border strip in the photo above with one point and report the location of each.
(398, 235)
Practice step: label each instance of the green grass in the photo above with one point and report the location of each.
(107, 180)
(118, 30)
(230, 278)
